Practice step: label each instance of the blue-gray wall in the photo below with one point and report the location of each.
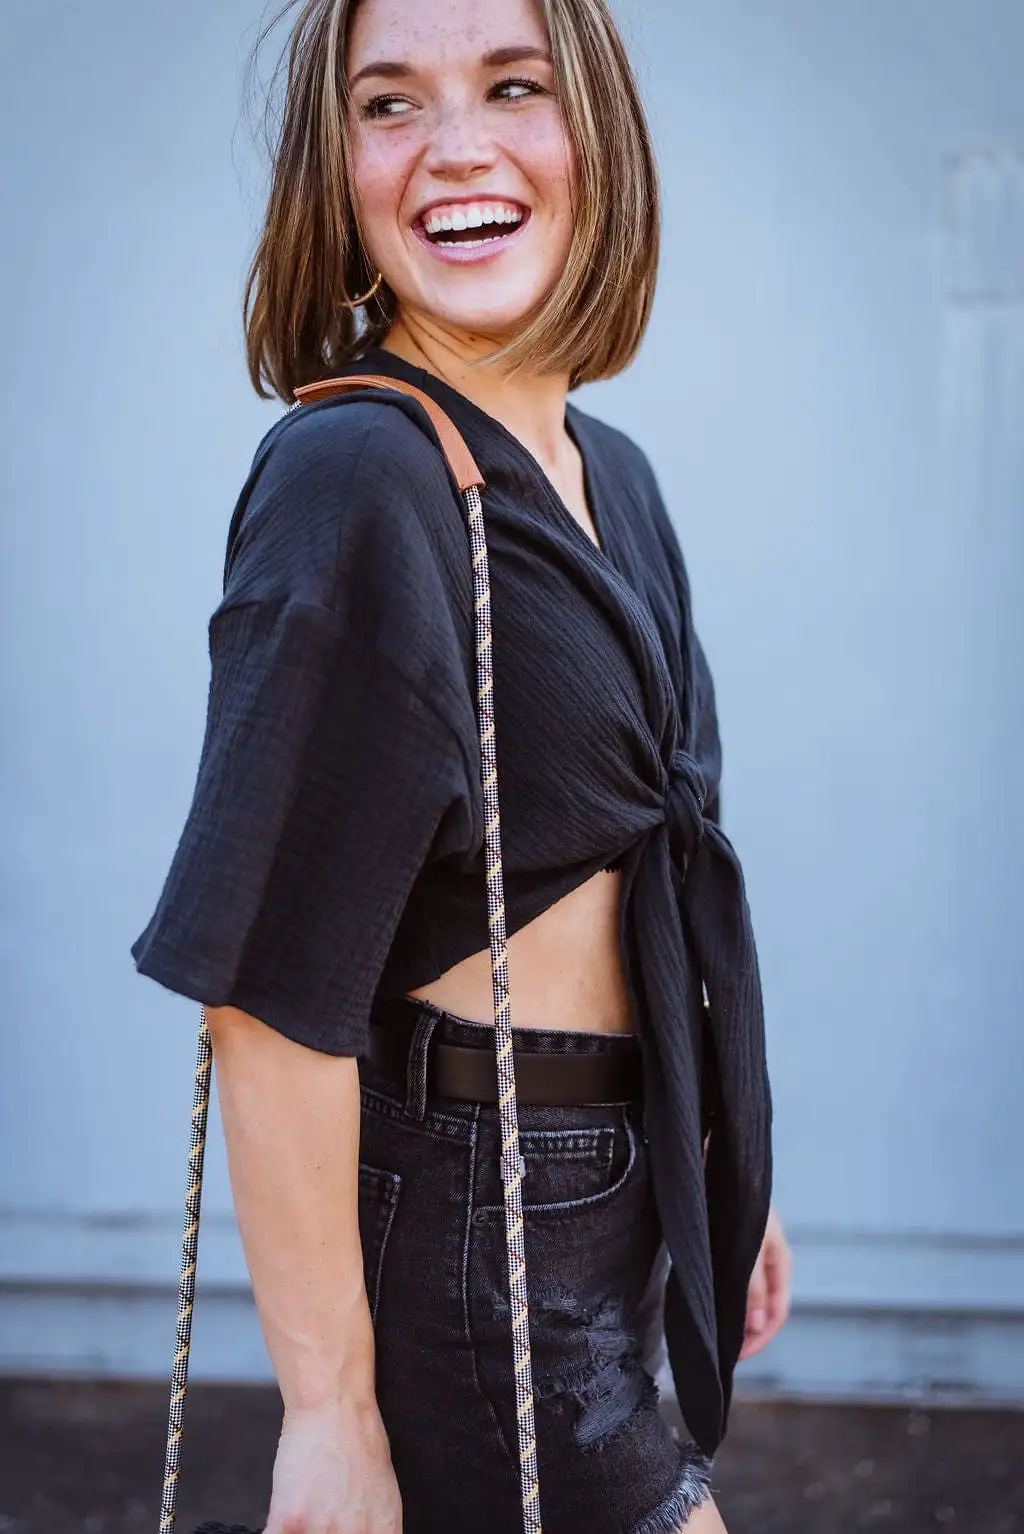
(833, 396)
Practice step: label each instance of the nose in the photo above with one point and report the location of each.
(460, 146)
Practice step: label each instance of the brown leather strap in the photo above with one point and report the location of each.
(453, 445)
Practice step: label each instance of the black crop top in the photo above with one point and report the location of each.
(333, 853)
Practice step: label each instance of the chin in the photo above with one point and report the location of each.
(500, 318)
(498, 302)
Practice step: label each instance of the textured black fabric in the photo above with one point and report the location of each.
(333, 854)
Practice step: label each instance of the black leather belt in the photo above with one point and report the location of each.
(544, 1080)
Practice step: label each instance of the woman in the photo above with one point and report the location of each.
(464, 199)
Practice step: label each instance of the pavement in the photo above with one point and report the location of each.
(86, 1458)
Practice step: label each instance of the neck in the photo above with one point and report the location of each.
(530, 406)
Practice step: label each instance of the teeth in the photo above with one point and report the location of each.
(471, 216)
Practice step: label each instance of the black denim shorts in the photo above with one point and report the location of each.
(430, 1209)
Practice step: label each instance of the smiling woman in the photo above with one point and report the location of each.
(463, 220)
(380, 94)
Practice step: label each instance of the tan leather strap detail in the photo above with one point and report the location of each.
(453, 445)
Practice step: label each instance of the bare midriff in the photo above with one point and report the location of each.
(565, 967)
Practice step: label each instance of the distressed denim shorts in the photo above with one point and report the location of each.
(432, 1225)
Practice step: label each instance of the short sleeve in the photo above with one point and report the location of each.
(328, 776)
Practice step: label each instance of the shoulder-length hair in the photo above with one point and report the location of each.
(309, 263)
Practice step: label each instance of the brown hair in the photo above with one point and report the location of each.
(309, 262)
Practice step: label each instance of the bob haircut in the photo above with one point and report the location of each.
(309, 263)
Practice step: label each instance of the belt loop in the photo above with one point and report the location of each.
(416, 1065)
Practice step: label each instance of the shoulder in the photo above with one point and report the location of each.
(624, 464)
(340, 436)
(334, 489)
(615, 451)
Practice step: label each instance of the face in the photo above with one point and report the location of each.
(462, 167)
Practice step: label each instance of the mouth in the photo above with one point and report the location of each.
(470, 230)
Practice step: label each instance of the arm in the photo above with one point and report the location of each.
(291, 1122)
(311, 819)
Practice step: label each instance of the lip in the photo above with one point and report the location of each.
(461, 255)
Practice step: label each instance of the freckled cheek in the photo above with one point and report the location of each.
(545, 156)
(380, 177)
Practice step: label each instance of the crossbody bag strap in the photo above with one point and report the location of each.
(470, 483)
(460, 460)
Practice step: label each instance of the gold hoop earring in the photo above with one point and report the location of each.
(357, 303)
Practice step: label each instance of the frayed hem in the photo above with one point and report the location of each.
(692, 1490)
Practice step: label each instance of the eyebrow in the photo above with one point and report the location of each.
(393, 69)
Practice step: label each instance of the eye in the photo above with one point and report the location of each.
(517, 89)
(379, 107)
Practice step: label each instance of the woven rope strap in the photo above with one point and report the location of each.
(511, 1160)
(187, 1288)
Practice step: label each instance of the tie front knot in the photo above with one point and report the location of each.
(684, 810)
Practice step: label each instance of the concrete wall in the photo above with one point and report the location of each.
(832, 394)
